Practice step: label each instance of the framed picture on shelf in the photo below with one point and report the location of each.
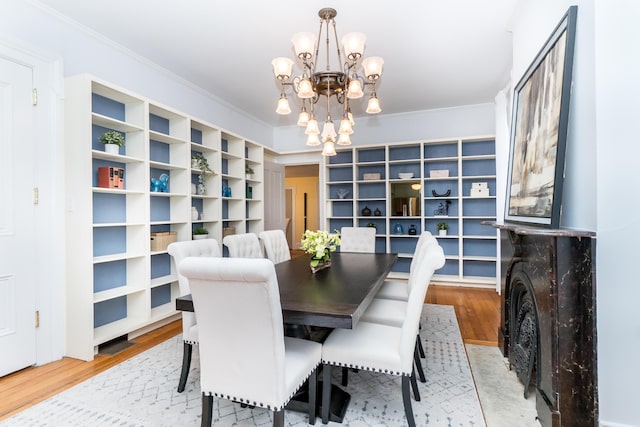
(539, 130)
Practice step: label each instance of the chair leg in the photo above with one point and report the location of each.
(278, 418)
(406, 399)
(418, 364)
(326, 393)
(187, 349)
(345, 377)
(313, 387)
(414, 385)
(207, 410)
(420, 347)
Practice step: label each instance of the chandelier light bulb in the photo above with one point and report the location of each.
(312, 127)
(328, 131)
(329, 149)
(305, 90)
(345, 126)
(282, 67)
(373, 106)
(303, 117)
(344, 139)
(355, 89)
(283, 105)
(353, 44)
(313, 140)
(304, 44)
(372, 67)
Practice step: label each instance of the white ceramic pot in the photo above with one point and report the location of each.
(442, 232)
(194, 213)
(112, 148)
(200, 236)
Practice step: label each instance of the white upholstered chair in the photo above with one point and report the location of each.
(380, 348)
(275, 244)
(245, 245)
(244, 355)
(393, 312)
(358, 239)
(399, 289)
(179, 251)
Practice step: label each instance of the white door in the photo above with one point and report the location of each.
(274, 216)
(17, 276)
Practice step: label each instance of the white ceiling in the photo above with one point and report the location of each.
(438, 53)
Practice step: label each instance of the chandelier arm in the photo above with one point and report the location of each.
(335, 36)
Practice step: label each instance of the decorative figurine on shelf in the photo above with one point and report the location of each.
(377, 212)
(443, 209)
(366, 211)
(412, 230)
(372, 225)
(342, 193)
(160, 185)
(398, 228)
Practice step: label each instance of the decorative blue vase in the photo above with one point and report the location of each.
(398, 229)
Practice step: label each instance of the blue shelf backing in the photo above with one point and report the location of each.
(109, 208)
(160, 209)
(109, 311)
(340, 174)
(373, 190)
(371, 155)
(159, 124)
(341, 157)
(404, 153)
(435, 151)
(160, 265)
(109, 275)
(402, 265)
(479, 268)
(450, 268)
(108, 107)
(159, 152)
(109, 241)
(479, 148)
(160, 295)
(341, 208)
(196, 136)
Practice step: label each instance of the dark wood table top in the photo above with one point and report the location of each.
(334, 297)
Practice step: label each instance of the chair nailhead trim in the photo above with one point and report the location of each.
(260, 404)
(191, 342)
(366, 368)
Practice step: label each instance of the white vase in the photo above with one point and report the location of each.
(200, 236)
(194, 213)
(112, 148)
(442, 232)
(193, 188)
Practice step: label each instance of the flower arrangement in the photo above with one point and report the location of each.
(320, 244)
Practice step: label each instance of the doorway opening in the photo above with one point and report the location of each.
(302, 201)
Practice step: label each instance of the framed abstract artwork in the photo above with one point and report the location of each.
(539, 130)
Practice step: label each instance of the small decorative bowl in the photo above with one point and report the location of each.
(405, 175)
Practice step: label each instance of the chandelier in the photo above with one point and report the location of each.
(345, 85)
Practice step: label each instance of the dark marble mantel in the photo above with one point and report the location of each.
(555, 269)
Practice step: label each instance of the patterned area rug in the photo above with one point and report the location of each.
(142, 391)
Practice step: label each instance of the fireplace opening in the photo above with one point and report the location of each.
(524, 331)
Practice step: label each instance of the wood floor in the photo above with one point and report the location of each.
(477, 311)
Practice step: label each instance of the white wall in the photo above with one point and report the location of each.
(465, 121)
(87, 52)
(602, 150)
(618, 150)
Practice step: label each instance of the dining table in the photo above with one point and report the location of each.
(335, 297)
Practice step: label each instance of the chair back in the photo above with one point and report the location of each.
(431, 258)
(358, 239)
(244, 245)
(242, 351)
(191, 248)
(275, 244)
